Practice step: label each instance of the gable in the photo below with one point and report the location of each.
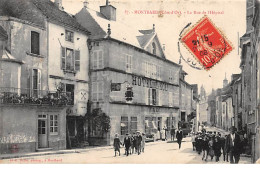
(154, 46)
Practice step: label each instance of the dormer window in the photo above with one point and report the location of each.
(69, 36)
(154, 48)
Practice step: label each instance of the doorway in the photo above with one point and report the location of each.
(42, 131)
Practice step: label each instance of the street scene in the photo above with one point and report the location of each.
(155, 152)
(129, 82)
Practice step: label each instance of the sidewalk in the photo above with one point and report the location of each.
(67, 151)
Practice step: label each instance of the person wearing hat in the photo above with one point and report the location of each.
(117, 144)
(133, 143)
(138, 142)
(127, 143)
(233, 146)
(217, 148)
(179, 136)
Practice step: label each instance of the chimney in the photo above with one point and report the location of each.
(163, 47)
(85, 4)
(58, 3)
(108, 11)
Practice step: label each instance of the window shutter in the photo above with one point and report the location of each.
(159, 98)
(72, 60)
(100, 60)
(94, 60)
(39, 82)
(63, 58)
(77, 60)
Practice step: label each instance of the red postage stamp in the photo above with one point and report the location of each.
(207, 43)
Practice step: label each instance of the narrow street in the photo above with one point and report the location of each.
(155, 152)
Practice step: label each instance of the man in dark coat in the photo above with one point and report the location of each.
(217, 148)
(172, 133)
(233, 145)
(179, 136)
(138, 142)
(127, 143)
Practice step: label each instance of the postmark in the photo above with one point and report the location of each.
(207, 43)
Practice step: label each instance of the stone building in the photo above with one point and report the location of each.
(132, 81)
(249, 43)
(33, 104)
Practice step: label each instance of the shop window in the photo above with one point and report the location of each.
(35, 43)
(53, 124)
(69, 36)
(97, 60)
(124, 125)
(133, 125)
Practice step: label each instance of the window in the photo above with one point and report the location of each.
(183, 116)
(36, 83)
(170, 75)
(128, 63)
(54, 124)
(124, 125)
(69, 36)
(97, 60)
(154, 48)
(170, 99)
(133, 125)
(70, 59)
(35, 43)
(97, 91)
(153, 99)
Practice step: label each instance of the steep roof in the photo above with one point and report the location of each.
(36, 11)
(98, 25)
(144, 39)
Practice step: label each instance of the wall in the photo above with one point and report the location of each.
(19, 44)
(80, 78)
(19, 134)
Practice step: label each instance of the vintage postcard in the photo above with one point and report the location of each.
(129, 82)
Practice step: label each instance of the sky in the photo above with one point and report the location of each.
(231, 21)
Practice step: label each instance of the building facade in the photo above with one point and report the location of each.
(131, 79)
(34, 103)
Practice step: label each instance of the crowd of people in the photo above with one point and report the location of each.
(213, 144)
(134, 143)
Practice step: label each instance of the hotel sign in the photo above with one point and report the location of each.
(149, 83)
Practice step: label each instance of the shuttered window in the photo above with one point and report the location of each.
(97, 60)
(70, 59)
(35, 43)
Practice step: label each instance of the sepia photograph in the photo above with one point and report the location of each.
(129, 82)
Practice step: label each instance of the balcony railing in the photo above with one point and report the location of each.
(34, 96)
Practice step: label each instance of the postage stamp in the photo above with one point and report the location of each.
(206, 42)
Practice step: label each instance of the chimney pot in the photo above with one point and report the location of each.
(58, 3)
(85, 3)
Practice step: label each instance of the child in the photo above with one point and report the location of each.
(117, 144)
